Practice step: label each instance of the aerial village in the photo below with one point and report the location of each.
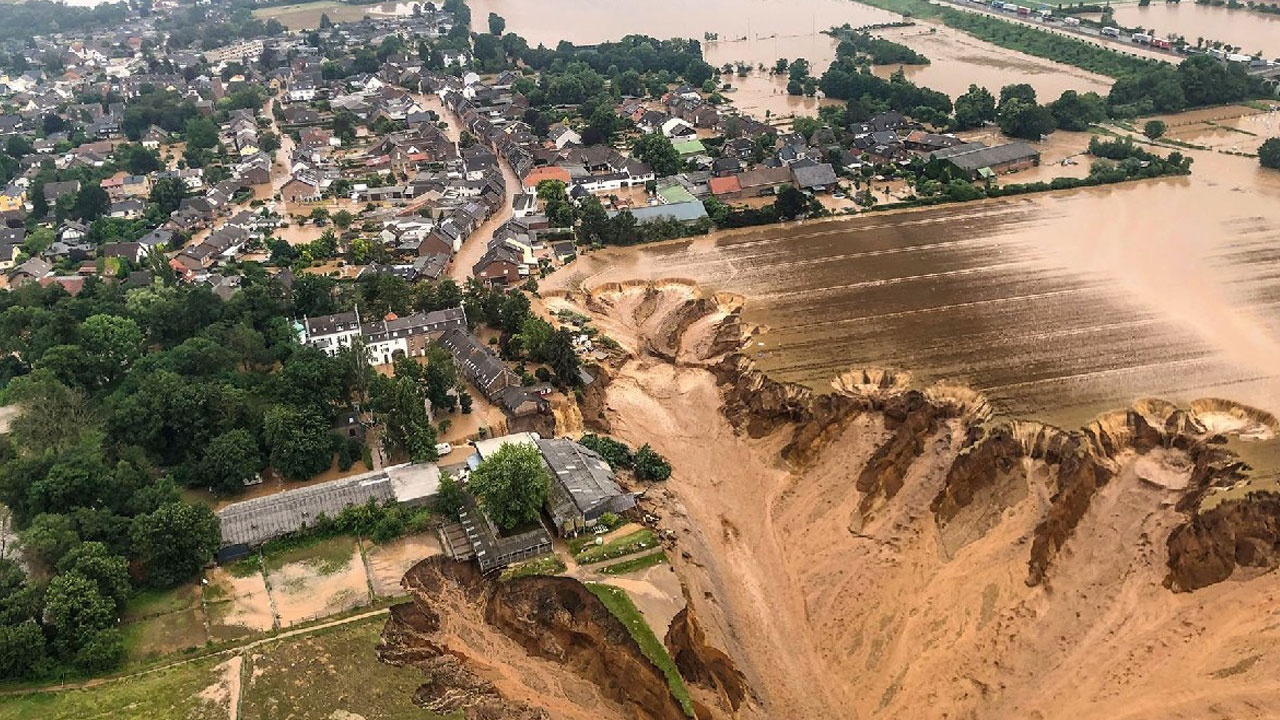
(284, 285)
(136, 159)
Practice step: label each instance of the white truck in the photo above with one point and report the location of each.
(1111, 32)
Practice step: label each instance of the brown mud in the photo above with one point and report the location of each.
(890, 550)
(535, 647)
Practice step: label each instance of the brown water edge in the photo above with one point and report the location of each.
(761, 31)
(1057, 306)
(1251, 30)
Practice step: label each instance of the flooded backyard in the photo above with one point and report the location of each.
(1056, 306)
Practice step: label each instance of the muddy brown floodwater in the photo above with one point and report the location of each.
(1253, 31)
(761, 31)
(1055, 306)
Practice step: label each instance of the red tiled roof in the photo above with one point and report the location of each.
(724, 185)
(547, 173)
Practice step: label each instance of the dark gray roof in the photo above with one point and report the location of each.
(491, 549)
(819, 175)
(255, 521)
(477, 363)
(582, 487)
(967, 157)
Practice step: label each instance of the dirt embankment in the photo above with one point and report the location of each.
(877, 551)
(702, 664)
(537, 647)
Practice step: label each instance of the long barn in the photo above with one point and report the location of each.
(253, 522)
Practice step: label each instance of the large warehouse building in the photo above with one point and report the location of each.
(253, 522)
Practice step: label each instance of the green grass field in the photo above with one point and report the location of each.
(619, 603)
(630, 565)
(335, 669)
(625, 545)
(546, 565)
(325, 556)
(172, 694)
(309, 676)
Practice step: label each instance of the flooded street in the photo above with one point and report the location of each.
(1056, 306)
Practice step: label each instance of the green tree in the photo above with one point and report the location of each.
(113, 343)
(175, 541)
(201, 133)
(92, 202)
(791, 203)
(656, 151)
(975, 108)
(496, 24)
(512, 485)
(1154, 129)
(806, 125)
(39, 202)
(1269, 154)
(230, 460)
(110, 572)
(1017, 91)
(168, 194)
(48, 538)
(450, 497)
(558, 352)
(76, 611)
(1021, 119)
(651, 466)
(22, 650)
(1074, 111)
(299, 441)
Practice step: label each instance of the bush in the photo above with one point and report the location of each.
(650, 465)
(616, 453)
(1269, 154)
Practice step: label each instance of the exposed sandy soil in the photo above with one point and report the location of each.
(836, 604)
(244, 606)
(388, 563)
(302, 591)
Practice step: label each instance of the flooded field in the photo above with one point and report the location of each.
(761, 31)
(1056, 306)
(1253, 31)
(959, 60)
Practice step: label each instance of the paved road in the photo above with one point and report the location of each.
(1086, 34)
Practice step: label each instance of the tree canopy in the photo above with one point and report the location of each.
(512, 485)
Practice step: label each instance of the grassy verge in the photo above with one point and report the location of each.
(547, 565)
(640, 562)
(625, 545)
(619, 603)
(327, 556)
(171, 693)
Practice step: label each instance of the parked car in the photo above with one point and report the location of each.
(443, 449)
